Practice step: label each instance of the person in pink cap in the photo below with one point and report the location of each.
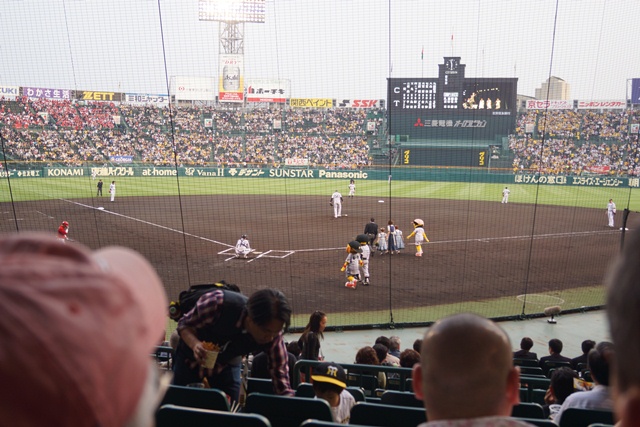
(77, 330)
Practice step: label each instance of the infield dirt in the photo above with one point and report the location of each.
(478, 250)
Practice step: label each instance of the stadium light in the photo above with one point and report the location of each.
(232, 10)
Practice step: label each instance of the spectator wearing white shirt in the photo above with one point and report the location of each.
(599, 397)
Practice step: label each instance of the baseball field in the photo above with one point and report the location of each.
(550, 245)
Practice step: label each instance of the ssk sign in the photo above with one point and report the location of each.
(359, 103)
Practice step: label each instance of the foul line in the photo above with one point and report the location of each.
(42, 213)
(260, 256)
(148, 223)
(439, 242)
(525, 237)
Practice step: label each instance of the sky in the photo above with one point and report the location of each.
(341, 49)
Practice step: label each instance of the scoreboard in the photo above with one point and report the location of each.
(445, 156)
(450, 106)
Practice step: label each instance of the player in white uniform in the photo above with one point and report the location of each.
(243, 248)
(112, 190)
(336, 202)
(352, 264)
(363, 239)
(352, 188)
(421, 236)
(611, 213)
(505, 195)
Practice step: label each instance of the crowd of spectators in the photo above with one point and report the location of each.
(76, 133)
(563, 142)
(567, 142)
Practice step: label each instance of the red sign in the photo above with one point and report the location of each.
(601, 170)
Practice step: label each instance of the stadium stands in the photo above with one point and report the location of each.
(570, 142)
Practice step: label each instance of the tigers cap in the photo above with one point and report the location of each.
(78, 328)
(330, 372)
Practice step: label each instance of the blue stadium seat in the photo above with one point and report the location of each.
(180, 416)
(372, 414)
(401, 398)
(527, 410)
(203, 398)
(574, 417)
(284, 411)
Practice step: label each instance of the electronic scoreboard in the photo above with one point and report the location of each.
(451, 108)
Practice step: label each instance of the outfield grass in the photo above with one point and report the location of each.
(590, 296)
(26, 189)
(569, 299)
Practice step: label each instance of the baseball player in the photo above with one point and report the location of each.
(243, 248)
(363, 239)
(63, 230)
(421, 236)
(352, 188)
(99, 187)
(505, 195)
(336, 202)
(352, 264)
(611, 213)
(112, 190)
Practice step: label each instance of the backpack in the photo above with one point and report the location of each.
(188, 299)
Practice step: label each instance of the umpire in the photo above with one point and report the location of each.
(371, 230)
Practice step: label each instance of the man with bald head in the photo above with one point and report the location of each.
(623, 300)
(467, 375)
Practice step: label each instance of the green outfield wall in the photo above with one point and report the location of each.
(400, 174)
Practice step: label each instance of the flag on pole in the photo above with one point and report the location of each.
(422, 54)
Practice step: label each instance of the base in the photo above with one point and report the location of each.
(552, 321)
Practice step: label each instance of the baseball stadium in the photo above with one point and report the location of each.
(512, 191)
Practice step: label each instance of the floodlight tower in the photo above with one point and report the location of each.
(231, 15)
(231, 36)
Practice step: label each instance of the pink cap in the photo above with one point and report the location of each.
(77, 329)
